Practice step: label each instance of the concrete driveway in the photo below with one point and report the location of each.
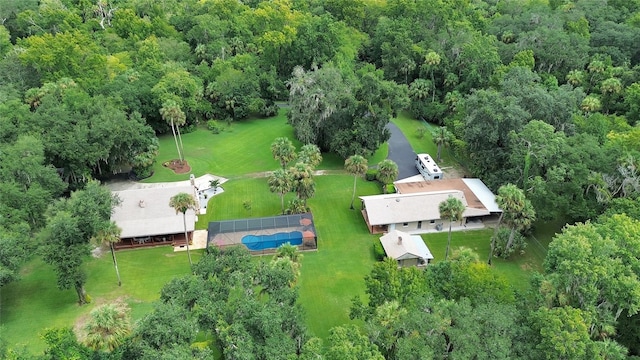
(401, 153)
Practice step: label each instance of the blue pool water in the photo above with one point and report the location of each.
(261, 242)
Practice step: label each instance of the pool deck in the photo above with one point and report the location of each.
(235, 238)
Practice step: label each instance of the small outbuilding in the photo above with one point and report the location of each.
(406, 249)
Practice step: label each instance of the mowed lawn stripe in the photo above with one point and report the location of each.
(334, 274)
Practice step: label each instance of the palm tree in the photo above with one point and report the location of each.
(109, 236)
(302, 181)
(310, 154)
(451, 209)
(432, 59)
(172, 114)
(107, 327)
(356, 165)
(442, 137)
(387, 172)
(280, 182)
(283, 151)
(517, 213)
(182, 202)
(419, 89)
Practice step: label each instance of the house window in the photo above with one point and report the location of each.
(405, 224)
(432, 222)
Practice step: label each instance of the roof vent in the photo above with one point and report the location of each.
(142, 204)
(399, 240)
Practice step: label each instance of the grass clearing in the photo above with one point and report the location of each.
(34, 303)
(243, 148)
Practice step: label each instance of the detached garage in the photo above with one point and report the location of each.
(406, 249)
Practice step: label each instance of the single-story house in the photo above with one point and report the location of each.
(408, 250)
(415, 206)
(145, 217)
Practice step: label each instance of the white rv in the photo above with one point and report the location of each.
(428, 167)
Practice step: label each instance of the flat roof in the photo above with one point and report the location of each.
(156, 217)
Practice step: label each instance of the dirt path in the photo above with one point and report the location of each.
(265, 174)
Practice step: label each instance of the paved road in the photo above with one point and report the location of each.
(401, 153)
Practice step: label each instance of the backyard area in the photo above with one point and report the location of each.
(330, 277)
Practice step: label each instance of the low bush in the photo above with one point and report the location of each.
(517, 247)
(214, 126)
(378, 250)
(389, 189)
(371, 174)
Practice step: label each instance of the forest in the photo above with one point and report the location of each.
(543, 95)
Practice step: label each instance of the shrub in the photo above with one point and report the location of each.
(378, 250)
(389, 189)
(420, 132)
(269, 110)
(371, 174)
(214, 126)
(518, 246)
(296, 206)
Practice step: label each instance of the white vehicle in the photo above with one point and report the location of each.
(428, 167)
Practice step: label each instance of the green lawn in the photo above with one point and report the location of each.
(34, 303)
(517, 270)
(334, 274)
(244, 148)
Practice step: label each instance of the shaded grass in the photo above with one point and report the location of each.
(35, 303)
(517, 270)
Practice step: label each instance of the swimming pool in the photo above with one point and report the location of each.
(261, 242)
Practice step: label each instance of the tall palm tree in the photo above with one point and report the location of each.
(172, 114)
(356, 165)
(283, 151)
(302, 181)
(280, 182)
(441, 136)
(432, 59)
(451, 209)
(108, 236)
(107, 327)
(387, 172)
(182, 202)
